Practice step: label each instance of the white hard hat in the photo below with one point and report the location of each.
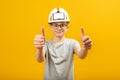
(58, 15)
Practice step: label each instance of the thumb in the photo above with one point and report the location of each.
(42, 31)
(82, 32)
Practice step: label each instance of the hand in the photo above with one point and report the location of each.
(39, 40)
(86, 41)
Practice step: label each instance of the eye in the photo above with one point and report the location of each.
(62, 25)
(56, 25)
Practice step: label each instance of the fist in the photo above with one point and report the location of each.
(86, 41)
(39, 40)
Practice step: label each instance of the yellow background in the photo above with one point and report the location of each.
(21, 20)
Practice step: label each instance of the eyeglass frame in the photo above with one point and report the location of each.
(57, 26)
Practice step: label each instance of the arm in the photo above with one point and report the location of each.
(81, 52)
(39, 43)
(87, 43)
(40, 55)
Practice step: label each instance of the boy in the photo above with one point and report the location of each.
(58, 52)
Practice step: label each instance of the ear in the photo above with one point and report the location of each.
(50, 25)
(66, 28)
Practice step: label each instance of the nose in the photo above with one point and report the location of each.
(59, 27)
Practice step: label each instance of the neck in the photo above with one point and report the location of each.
(58, 39)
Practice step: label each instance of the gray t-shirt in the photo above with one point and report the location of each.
(59, 60)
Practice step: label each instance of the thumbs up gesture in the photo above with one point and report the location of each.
(86, 41)
(39, 40)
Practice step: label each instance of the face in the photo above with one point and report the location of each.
(59, 28)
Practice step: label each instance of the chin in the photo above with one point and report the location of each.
(59, 35)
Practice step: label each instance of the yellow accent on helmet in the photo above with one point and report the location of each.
(58, 15)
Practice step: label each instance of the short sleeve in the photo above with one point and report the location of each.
(76, 43)
(45, 47)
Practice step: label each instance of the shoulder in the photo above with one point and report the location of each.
(71, 40)
(48, 42)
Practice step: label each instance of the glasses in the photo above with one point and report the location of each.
(57, 26)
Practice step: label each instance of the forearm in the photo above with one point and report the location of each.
(83, 53)
(40, 55)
